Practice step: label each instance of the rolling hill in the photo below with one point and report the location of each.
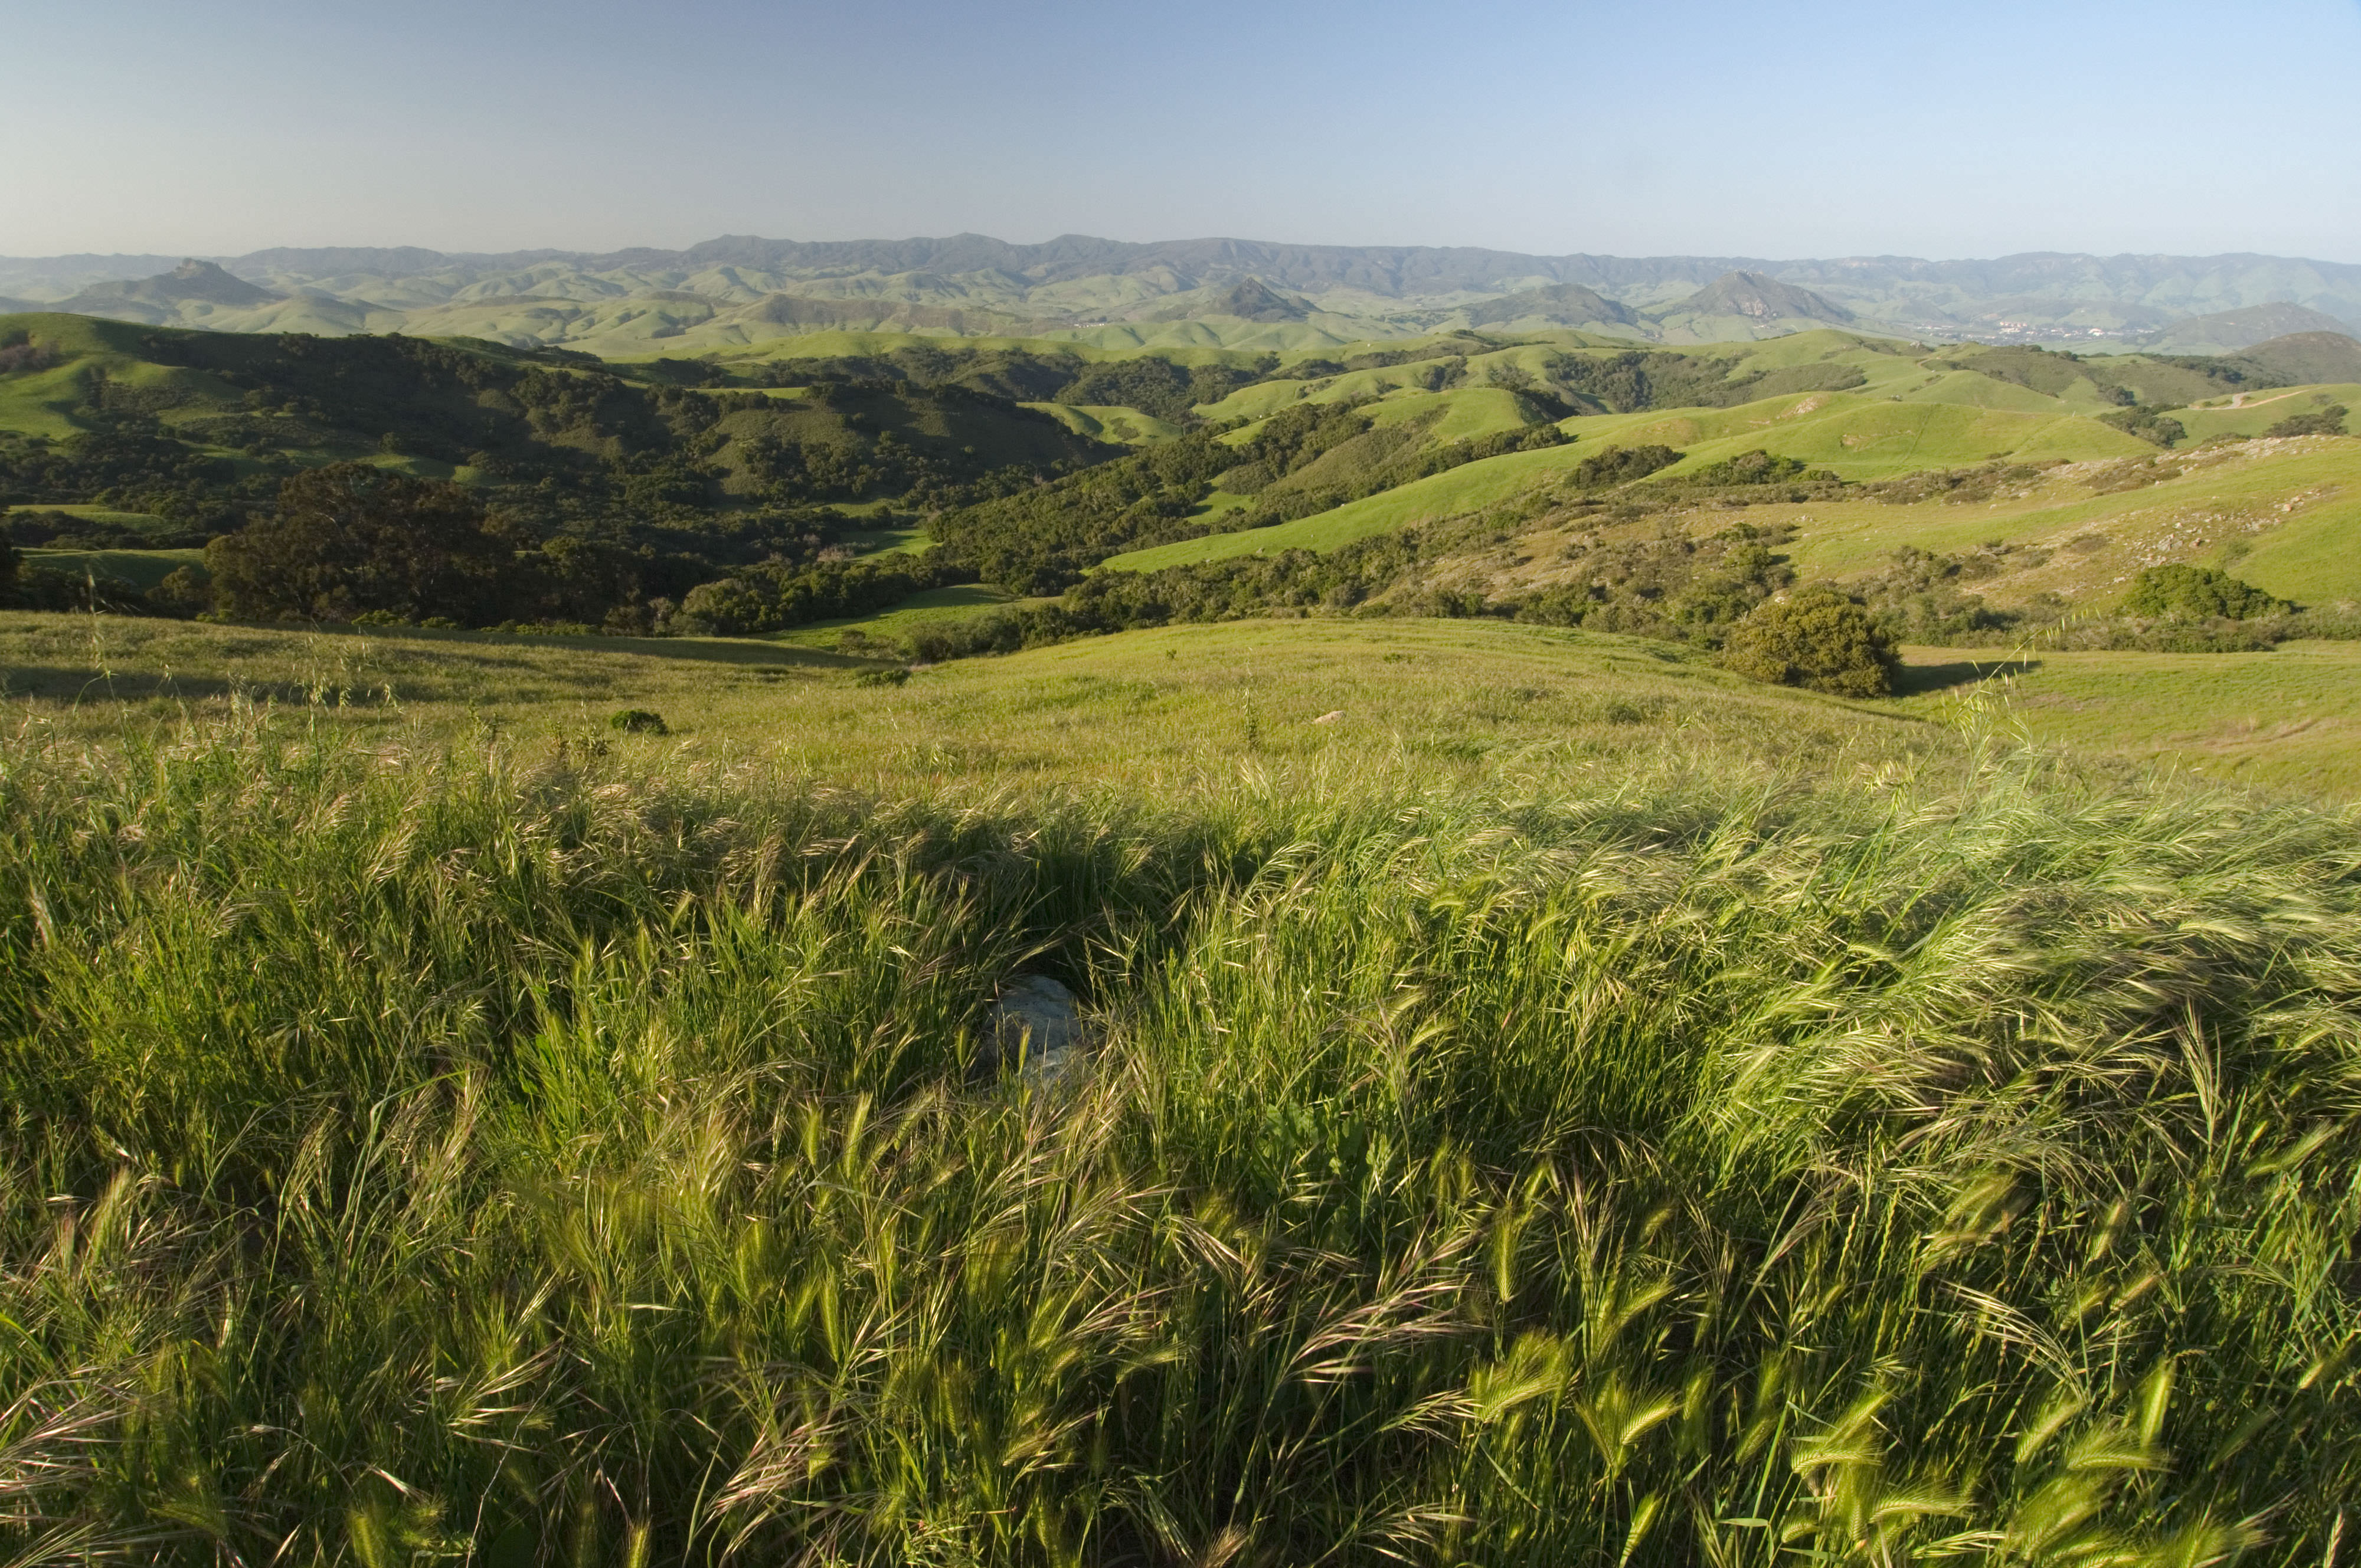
(739, 485)
(1739, 305)
(163, 298)
(631, 487)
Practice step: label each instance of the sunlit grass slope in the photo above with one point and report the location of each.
(2283, 514)
(2288, 720)
(1468, 699)
(2255, 412)
(1110, 423)
(1147, 707)
(453, 1142)
(1856, 437)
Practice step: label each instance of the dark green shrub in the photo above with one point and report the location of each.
(2147, 423)
(2179, 592)
(638, 722)
(893, 677)
(1819, 638)
(1621, 465)
(2329, 420)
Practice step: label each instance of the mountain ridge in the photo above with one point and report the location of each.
(1079, 283)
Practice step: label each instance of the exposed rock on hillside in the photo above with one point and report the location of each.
(155, 300)
(1760, 298)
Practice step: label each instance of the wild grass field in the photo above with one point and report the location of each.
(1163, 708)
(1547, 1102)
(1152, 710)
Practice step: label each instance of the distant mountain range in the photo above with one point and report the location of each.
(1207, 294)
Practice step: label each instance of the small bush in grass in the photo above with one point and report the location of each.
(1820, 638)
(893, 677)
(638, 722)
(2180, 592)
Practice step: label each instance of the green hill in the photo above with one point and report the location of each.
(631, 487)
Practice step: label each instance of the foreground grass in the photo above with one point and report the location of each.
(484, 1151)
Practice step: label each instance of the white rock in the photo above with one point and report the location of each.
(1037, 1025)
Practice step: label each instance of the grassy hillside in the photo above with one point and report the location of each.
(616, 496)
(142, 569)
(2110, 503)
(2288, 720)
(1112, 423)
(1856, 437)
(685, 476)
(2282, 511)
(1187, 703)
(1544, 1101)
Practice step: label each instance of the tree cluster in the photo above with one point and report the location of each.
(774, 598)
(2328, 420)
(2152, 424)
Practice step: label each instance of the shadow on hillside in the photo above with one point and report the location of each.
(60, 683)
(710, 650)
(1915, 680)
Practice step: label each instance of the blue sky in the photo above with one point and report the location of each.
(215, 126)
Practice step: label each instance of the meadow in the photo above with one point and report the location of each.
(1149, 710)
(1549, 1102)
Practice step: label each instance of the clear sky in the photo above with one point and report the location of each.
(217, 127)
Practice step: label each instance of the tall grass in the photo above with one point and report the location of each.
(528, 1157)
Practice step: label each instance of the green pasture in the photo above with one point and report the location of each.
(1857, 437)
(2282, 515)
(1151, 707)
(1187, 701)
(93, 513)
(143, 569)
(1862, 438)
(1448, 494)
(955, 603)
(1110, 423)
(2288, 720)
(2257, 412)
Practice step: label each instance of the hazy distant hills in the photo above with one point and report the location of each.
(1181, 293)
(2226, 332)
